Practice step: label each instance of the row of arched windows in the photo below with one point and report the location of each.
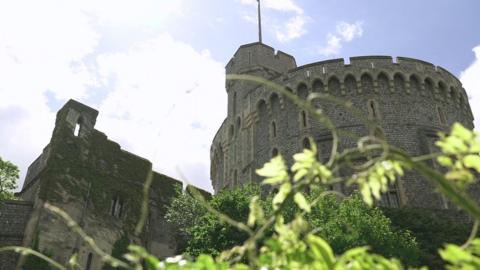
(366, 84)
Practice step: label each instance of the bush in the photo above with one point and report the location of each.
(343, 223)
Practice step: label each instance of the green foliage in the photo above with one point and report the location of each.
(203, 232)
(344, 223)
(291, 230)
(431, 229)
(8, 179)
(120, 248)
(33, 262)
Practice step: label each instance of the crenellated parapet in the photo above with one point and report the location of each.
(410, 101)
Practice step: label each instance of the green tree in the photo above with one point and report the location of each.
(344, 223)
(8, 179)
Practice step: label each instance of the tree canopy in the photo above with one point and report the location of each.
(8, 179)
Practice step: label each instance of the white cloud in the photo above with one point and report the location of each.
(42, 44)
(293, 28)
(170, 89)
(287, 31)
(165, 87)
(345, 32)
(470, 79)
(349, 31)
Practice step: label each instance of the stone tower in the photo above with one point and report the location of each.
(410, 99)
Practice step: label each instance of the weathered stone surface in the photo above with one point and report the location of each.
(410, 99)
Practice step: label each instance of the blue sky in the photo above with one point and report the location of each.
(155, 68)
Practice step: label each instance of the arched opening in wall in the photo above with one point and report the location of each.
(88, 265)
(303, 116)
(231, 132)
(429, 87)
(399, 83)
(318, 86)
(78, 127)
(415, 84)
(274, 129)
(382, 81)
(306, 143)
(350, 84)
(453, 94)
(334, 86)
(302, 91)
(234, 103)
(442, 118)
(373, 111)
(275, 104)
(274, 152)
(367, 83)
(442, 89)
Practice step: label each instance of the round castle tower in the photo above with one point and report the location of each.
(410, 99)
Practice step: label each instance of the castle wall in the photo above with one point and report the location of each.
(410, 100)
(100, 186)
(14, 216)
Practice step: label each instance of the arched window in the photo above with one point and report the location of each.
(274, 152)
(88, 265)
(306, 143)
(415, 84)
(303, 116)
(334, 86)
(399, 83)
(373, 110)
(318, 86)
(78, 127)
(367, 83)
(442, 89)
(302, 91)
(275, 104)
(274, 129)
(350, 84)
(382, 81)
(453, 94)
(429, 86)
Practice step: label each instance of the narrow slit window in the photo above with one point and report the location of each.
(304, 119)
(373, 109)
(274, 129)
(89, 261)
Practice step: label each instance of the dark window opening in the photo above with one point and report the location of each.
(441, 116)
(89, 261)
(373, 109)
(274, 129)
(274, 152)
(306, 143)
(304, 119)
(390, 198)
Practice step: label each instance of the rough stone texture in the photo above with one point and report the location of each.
(13, 219)
(98, 184)
(411, 99)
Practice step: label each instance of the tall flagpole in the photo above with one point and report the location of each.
(259, 23)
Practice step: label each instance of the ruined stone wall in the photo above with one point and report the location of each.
(411, 100)
(14, 216)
